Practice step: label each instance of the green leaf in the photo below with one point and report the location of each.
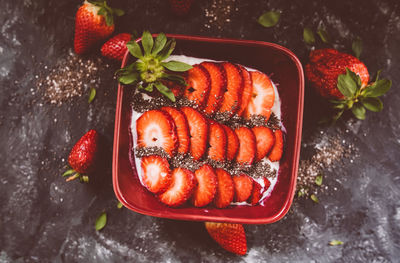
(147, 42)
(149, 87)
(167, 50)
(269, 19)
(337, 115)
(118, 12)
(378, 88)
(335, 242)
(68, 172)
(314, 198)
(134, 49)
(175, 78)
(318, 180)
(120, 205)
(358, 111)
(165, 91)
(92, 94)
(128, 78)
(308, 36)
(159, 43)
(372, 104)
(357, 47)
(84, 179)
(346, 84)
(177, 66)
(323, 35)
(101, 221)
(355, 77)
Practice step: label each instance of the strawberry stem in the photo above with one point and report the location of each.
(73, 177)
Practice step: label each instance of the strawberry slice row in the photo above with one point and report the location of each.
(203, 187)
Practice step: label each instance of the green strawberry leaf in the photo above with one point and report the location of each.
(101, 221)
(147, 42)
(176, 66)
(269, 19)
(378, 88)
(318, 180)
(358, 111)
(357, 47)
(165, 91)
(149, 87)
(175, 78)
(355, 77)
(346, 84)
(308, 36)
(159, 43)
(128, 78)
(323, 35)
(167, 50)
(335, 242)
(68, 172)
(372, 104)
(134, 49)
(92, 95)
(118, 12)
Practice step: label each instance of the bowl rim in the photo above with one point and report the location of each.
(193, 217)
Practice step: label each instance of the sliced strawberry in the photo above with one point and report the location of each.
(243, 187)
(156, 176)
(267, 184)
(174, 87)
(156, 128)
(225, 189)
(263, 96)
(217, 142)
(265, 140)
(230, 237)
(234, 89)
(182, 128)
(277, 150)
(198, 129)
(247, 90)
(218, 86)
(232, 146)
(247, 146)
(255, 193)
(207, 186)
(199, 85)
(180, 189)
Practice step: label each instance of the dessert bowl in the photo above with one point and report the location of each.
(284, 69)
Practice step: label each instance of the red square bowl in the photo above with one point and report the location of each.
(285, 70)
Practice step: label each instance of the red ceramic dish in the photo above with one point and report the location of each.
(285, 70)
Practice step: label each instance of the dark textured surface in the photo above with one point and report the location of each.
(45, 219)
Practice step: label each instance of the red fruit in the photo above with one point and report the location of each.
(255, 193)
(247, 90)
(93, 22)
(267, 184)
(217, 141)
(199, 84)
(263, 96)
(277, 149)
(180, 7)
(225, 189)
(115, 48)
(265, 139)
(326, 65)
(234, 88)
(218, 86)
(156, 128)
(243, 187)
(206, 186)
(247, 146)
(83, 155)
(156, 176)
(198, 129)
(230, 237)
(180, 189)
(182, 128)
(232, 146)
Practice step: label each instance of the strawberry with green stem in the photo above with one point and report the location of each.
(150, 69)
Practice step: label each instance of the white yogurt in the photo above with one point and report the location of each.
(276, 109)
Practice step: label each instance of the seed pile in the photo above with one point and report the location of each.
(72, 76)
(220, 13)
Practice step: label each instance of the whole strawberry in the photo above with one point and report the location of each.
(115, 48)
(83, 156)
(94, 21)
(180, 7)
(343, 79)
(229, 236)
